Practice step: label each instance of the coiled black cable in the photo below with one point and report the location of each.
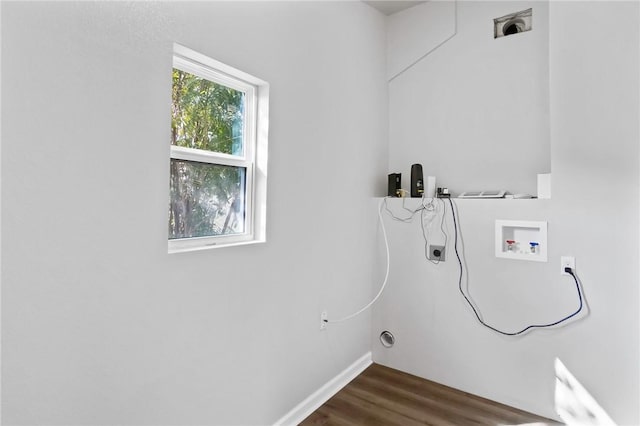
(475, 311)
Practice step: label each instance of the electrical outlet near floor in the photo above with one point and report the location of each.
(567, 262)
(437, 253)
(323, 320)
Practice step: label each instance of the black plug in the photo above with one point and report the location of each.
(568, 270)
(443, 193)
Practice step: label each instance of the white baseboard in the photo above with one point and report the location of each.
(322, 395)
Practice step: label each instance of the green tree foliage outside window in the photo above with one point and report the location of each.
(206, 199)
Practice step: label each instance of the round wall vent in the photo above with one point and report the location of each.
(387, 339)
(514, 26)
(513, 23)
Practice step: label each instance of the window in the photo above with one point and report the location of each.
(219, 126)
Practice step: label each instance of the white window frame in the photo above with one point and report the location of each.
(253, 157)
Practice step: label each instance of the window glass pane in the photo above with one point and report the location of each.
(206, 200)
(206, 115)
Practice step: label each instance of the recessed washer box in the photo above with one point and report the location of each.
(522, 240)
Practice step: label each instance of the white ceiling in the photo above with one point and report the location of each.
(389, 7)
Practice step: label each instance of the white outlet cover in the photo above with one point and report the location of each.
(323, 320)
(567, 261)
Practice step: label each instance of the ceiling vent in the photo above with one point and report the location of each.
(513, 23)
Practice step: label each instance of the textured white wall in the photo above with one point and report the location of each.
(474, 112)
(99, 324)
(594, 104)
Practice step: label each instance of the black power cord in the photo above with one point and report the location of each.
(475, 311)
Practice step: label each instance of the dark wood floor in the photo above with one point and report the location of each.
(384, 396)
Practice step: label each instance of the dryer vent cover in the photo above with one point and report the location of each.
(513, 23)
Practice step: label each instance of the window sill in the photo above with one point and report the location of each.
(177, 248)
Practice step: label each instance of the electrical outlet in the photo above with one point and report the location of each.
(437, 253)
(567, 262)
(323, 320)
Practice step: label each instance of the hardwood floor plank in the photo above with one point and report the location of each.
(445, 395)
(411, 409)
(422, 408)
(384, 396)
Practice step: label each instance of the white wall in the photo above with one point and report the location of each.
(475, 111)
(99, 324)
(594, 88)
(595, 114)
(408, 39)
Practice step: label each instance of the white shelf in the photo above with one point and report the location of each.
(514, 240)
